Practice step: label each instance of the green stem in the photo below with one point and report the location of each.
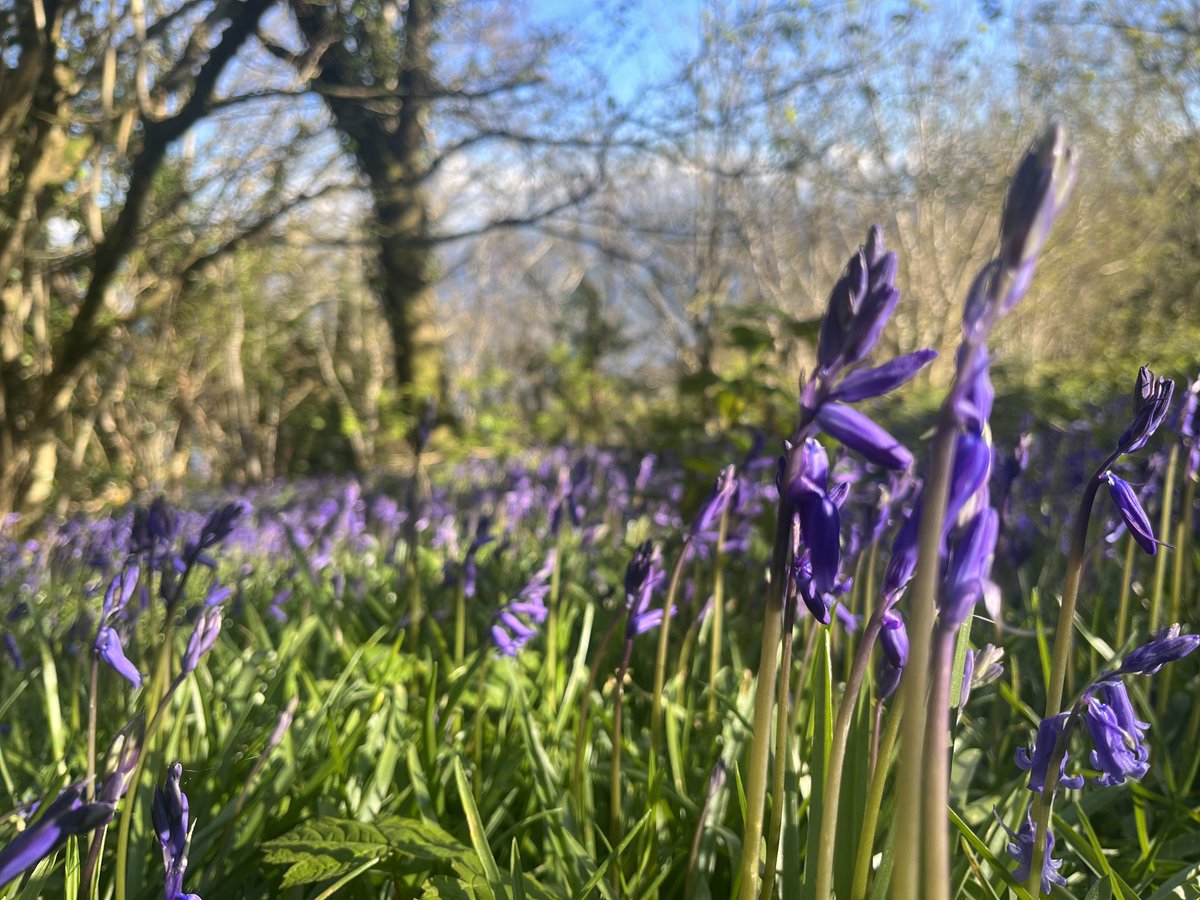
(912, 782)
(660, 661)
(783, 732)
(935, 825)
(866, 839)
(168, 690)
(1127, 581)
(837, 755)
(584, 706)
(552, 623)
(718, 617)
(1164, 528)
(615, 832)
(460, 625)
(764, 700)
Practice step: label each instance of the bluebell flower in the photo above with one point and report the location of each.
(204, 635)
(1117, 735)
(717, 501)
(893, 641)
(903, 562)
(858, 432)
(1036, 759)
(642, 577)
(514, 625)
(807, 491)
(108, 646)
(169, 810)
(969, 569)
(1165, 647)
(1021, 850)
(1132, 513)
(67, 815)
(862, 384)
(1151, 401)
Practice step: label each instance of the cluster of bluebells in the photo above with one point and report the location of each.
(75, 811)
(518, 621)
(859, 307)
(1118, 749)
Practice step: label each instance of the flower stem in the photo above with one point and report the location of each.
(716, 635)
(912, 782)
(581, 729)
(866, 839)
(934, 826)
(764, 700)
(1065, 632)
(1164, 528)
(1126, 582)
(782, 733)
(615, 831)
(832, 788)
(660, 661)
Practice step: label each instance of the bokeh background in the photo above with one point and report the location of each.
(248, 240)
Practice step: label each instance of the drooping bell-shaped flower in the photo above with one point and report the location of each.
(108, 647)
(1021, 850)
(861, 434)
(1120, 751)
(642, 577)
(1036, 759)
(1131, 511)
(807, 491)
(169, 811)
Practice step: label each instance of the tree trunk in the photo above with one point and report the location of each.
(390, 147)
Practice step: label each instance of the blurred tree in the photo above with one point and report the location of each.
(416, 88)
(93, 97)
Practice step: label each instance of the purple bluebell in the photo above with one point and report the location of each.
(1021, 850)
(217, 594)
(1151, 401)
(861, 434)
(902, 564)
(1036, 759)
(717, 501)
(642, 577)
(969, 568)
(1132, 513)
(893, 642)
(67, 815)
(862, 384)
(204, 635)
(1036, 196)
(1120, 751)
(120, 590)
(972, 465)
(108, 647)
(1165, 647)
(806, 470)
(169, 810)
(514, 625)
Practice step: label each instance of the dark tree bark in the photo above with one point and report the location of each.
(390, 146)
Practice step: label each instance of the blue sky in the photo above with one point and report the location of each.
(648, 39)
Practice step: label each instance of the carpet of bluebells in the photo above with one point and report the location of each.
(537, 678)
